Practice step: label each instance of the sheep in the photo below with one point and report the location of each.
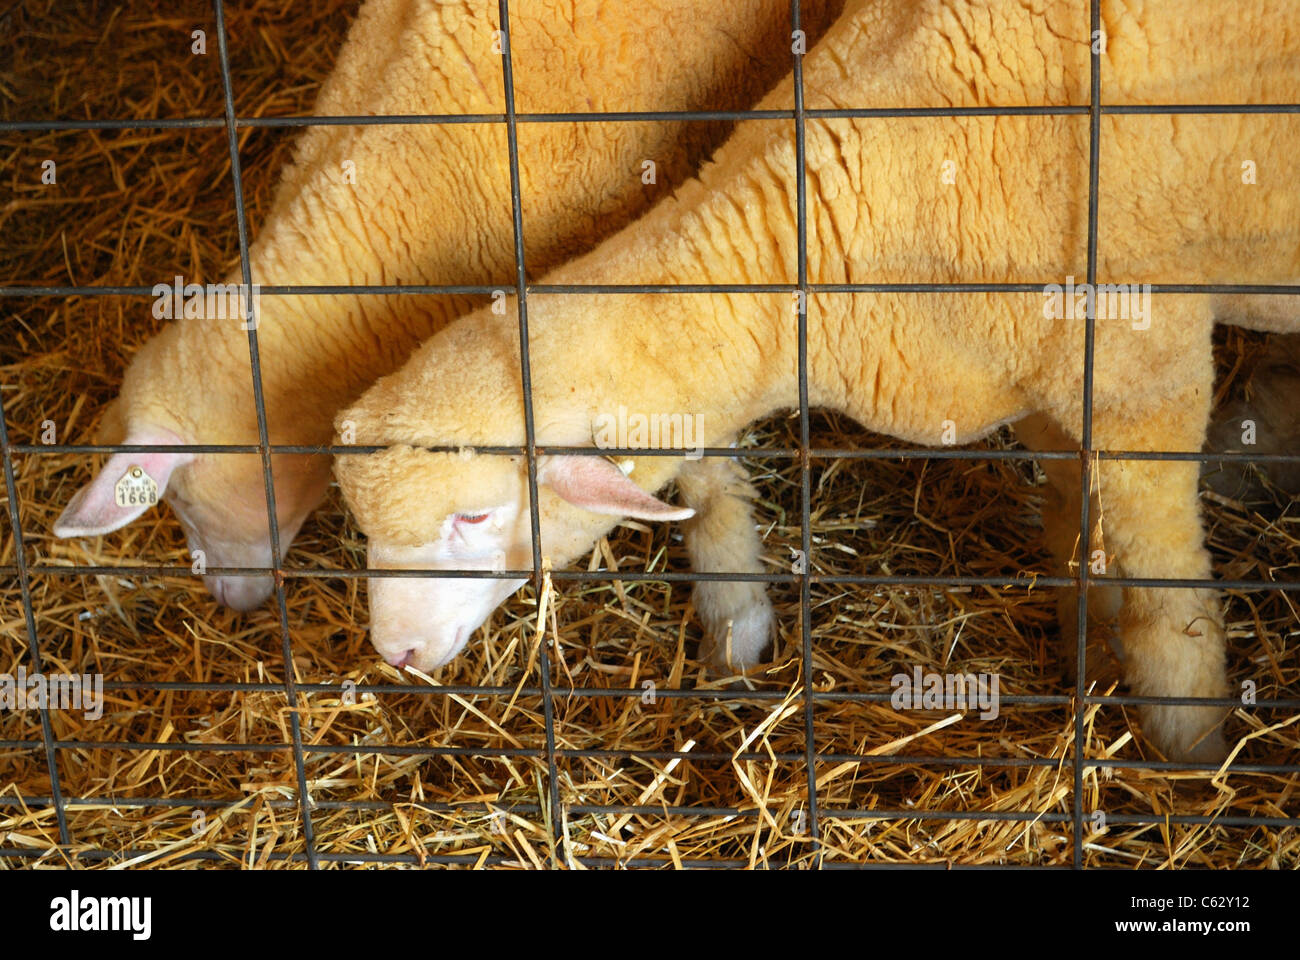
(987, 199)
(429, 205)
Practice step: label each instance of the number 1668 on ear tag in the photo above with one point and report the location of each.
(136, 489)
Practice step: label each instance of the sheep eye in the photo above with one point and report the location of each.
(471, 517)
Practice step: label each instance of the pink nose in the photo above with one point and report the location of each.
(403, 660)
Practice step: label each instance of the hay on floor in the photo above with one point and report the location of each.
(429, 774)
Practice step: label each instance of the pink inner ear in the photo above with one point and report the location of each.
(93, 510)
(595, 484)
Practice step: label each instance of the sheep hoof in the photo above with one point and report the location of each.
(739, 623)
(1187, 734)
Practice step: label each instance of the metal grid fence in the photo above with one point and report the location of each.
(1086, 456)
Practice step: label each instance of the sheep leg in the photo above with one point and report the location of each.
(1173, 637)
(721, 537)
(1061, 504)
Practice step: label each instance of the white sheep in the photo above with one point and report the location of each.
(420, 204)
(983, 199)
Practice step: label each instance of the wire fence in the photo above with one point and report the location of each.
(1087, 456)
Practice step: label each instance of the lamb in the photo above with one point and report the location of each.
(415, 216)
(882, 207)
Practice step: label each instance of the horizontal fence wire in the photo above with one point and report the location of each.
(613, 289)
(783, 757)
(558, 813)
(755, 452)
(633, 116)
(499, 860)
(634, 576)
(683, 693)
(880, 813)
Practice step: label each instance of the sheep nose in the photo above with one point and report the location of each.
(241, 593)
(403, 660)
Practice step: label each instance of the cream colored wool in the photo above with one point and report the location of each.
(994, 199)
(429, 205)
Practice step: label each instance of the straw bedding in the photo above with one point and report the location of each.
(133, 206)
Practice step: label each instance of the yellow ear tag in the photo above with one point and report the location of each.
(136, 489)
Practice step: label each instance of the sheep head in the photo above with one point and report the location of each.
(424, 510)
(175, 396)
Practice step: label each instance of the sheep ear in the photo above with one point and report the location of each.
(595, 484)
(94, 510)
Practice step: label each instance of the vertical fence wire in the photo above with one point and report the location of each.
(1086, 451)
(805, 480)
(29, 614)
(263, 442)
(558, 826)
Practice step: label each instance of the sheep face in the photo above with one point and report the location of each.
(234, 532)
(426, 621)
(440, 512)
(218, 498)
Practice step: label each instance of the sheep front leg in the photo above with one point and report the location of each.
(737, 614)
(1173, 637)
